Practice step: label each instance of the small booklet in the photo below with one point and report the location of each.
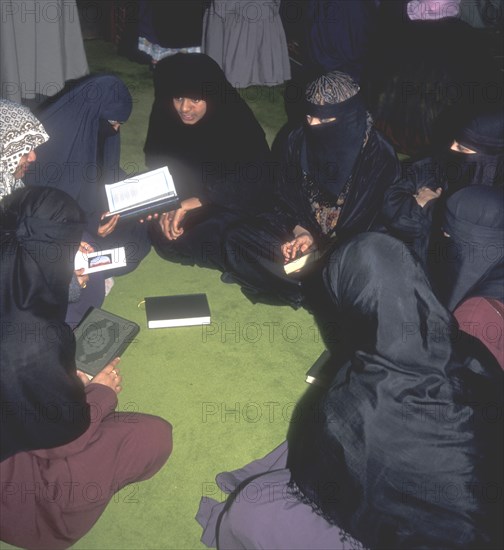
(101, 260)
(100, 337)
(318, 374)
(142, 195)
(302, 261)
(177, 311)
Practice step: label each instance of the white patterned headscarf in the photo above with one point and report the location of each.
(433, 10)
(20, 133)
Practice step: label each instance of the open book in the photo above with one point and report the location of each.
(300, 262)
(141, 195)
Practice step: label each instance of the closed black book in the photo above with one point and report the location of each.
(177, 311)
(100, 337)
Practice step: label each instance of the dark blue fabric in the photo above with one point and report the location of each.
(484, 133)
(79, 158)
(338, 34)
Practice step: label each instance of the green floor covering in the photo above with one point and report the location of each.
(228, 389)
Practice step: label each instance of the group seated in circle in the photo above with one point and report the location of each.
(336, 186)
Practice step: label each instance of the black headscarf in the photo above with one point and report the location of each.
(484, 134)
(207, 159)
(83, 152)
(392, 451)
(42, 400)
(470, 262)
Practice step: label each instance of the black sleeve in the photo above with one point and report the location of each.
(289, 203)
(402, 215)
(241, 185)
(43, 401)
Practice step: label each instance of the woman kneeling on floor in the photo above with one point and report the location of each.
(59, 433)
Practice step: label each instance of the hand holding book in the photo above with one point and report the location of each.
(302, 243)
(107, 224)
(109, 376)
(140, 196)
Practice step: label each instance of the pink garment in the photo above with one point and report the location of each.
(50, 498)
(433, 9)
(484, 319)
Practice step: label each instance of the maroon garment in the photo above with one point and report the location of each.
(483, 318)
(50, 498)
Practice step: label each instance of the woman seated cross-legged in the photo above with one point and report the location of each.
(332, 174)
(65, 451)
(216, 151)
(402, 449)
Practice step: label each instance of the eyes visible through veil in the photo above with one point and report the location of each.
(315, 121)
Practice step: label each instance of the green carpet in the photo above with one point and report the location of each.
(228, 389)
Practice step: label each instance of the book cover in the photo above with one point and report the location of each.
(100, 337)
(177, 311)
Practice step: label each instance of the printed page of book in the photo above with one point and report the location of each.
(139, 190)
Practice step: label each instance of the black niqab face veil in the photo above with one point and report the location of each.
(483, 134)
(333, 147)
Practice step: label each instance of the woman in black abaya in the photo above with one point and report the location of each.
(467, 265)
(59, 431)
(216, 151)
(469, 260)
(401, 449)
(40, 230)
(332, 175)
(413, 205)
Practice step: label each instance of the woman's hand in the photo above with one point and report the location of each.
(170, 222)
(109, 376)
(84, 248)
(302, 241)
(149, 218)
(107, 228)
(83, 377)
(425, 194)
(81, 278)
